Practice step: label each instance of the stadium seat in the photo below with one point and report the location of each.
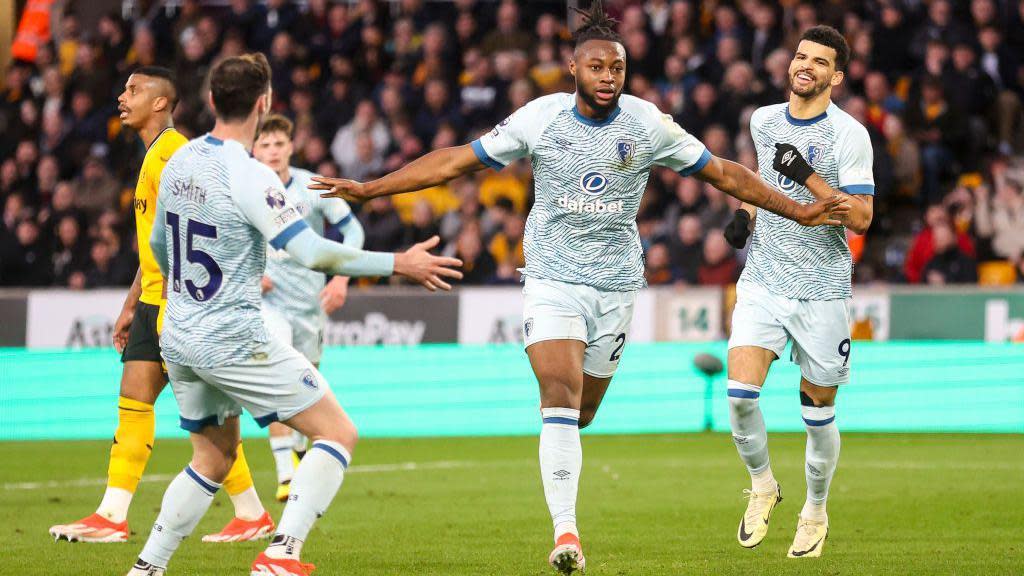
(996, 273)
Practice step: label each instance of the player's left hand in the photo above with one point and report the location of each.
(122, 327)
(828, 211)
(791, 164)
(333, 296)
(348, 190)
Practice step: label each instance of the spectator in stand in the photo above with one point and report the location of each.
(717, 212)
(96, 190)
(941, 131)
(345, 148)
(69, 254)
(384, 229)
(423, 226)
(718, 265)
(25, 262)
(1001, 219)
(949, 264)
(924, 248)
(686, 249)
(102, 271)
(478, 266)
(508, 36)
(938, 85)
(507, 244)
(657, 266)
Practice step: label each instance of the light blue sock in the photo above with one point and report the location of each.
(185, 502)
(313, 487)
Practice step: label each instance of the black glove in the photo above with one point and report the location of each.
(737, 231)
(791, 164)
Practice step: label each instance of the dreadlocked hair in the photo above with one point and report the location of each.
(597, 25)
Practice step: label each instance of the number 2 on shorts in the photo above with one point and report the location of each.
(617, 353)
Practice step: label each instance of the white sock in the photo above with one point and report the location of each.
(749, 434)
(284, 547)
(315, 483)
(247, 504)
(561, 461)
(186, 500)
(281, 446)
(300, 441)
(821, 457)
(115, 504)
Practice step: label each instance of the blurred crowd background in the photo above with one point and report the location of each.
(372, 85)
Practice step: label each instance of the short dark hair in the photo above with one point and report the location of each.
(830, 37)
(276, 123)
(598, 25)
(237, 82)
(164, 74)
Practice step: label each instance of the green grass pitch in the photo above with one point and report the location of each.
(654, 504)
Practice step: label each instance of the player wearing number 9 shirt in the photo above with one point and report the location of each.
(796, 284)
(592, 153)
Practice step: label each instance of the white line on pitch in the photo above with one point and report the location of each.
(156, 478)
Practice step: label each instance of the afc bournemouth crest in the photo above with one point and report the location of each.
(625, 148)
(814, 153)
(309, 380)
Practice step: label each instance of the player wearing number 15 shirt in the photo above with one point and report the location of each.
(592, 153)
(218, 208)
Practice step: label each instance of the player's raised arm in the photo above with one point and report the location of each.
(790, 163)
(282, 224)
(508, 141)
(680, 151)
(416, 263)
(738, 181)
(428, 170)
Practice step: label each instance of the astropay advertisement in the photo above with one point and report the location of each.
(73, 319)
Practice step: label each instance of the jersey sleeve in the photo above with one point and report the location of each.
(512, 138)
(336, 211)
(260, 198)
(756, 119)
(855, 158)
(676, 148)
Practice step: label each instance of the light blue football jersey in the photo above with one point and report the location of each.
(297, 288)
(589, 178)
(217, 207)
(787, 258)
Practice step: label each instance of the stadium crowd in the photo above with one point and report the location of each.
(371, 85)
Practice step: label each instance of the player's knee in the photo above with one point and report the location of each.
(557, 390)
(215, 465)
(343, 432)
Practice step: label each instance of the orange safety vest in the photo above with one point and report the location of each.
(33, 30)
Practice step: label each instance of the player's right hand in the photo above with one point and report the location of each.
(737, 231)
(417, 263)
(266, 284)
(122, 327)
(824, 212)
(348, 190)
